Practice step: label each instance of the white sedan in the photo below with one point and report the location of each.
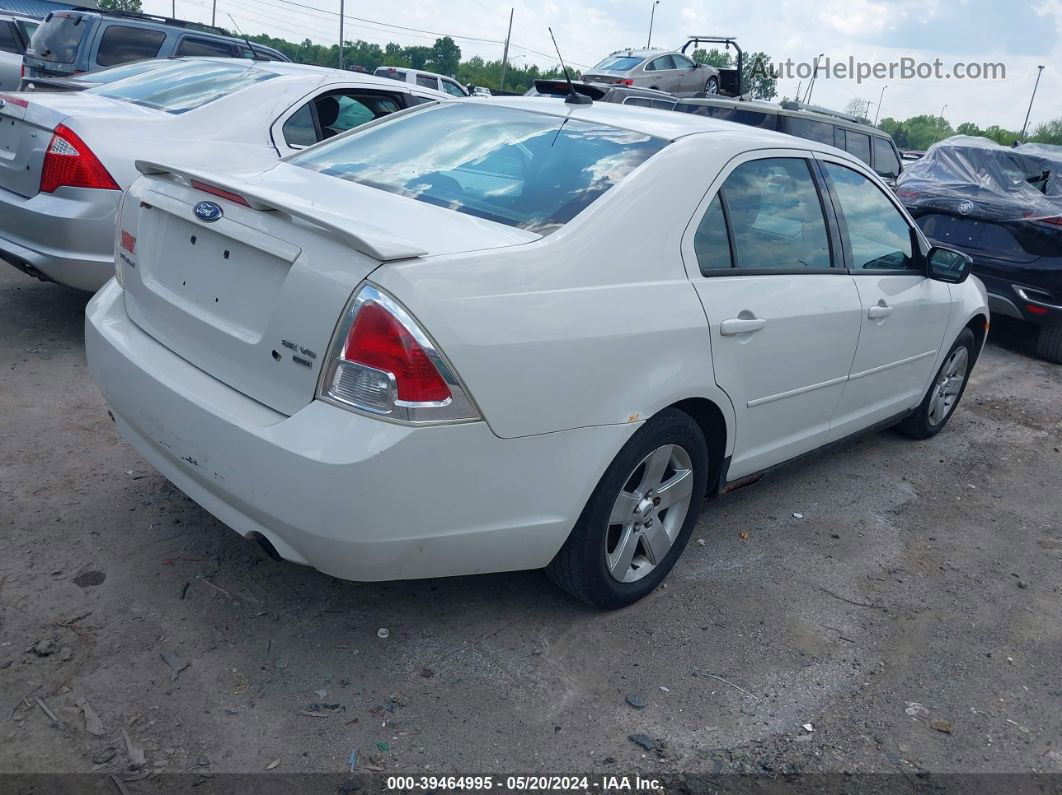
(65, 157)
(519, 334)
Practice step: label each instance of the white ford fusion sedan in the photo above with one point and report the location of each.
(520, 334)
(66, 157)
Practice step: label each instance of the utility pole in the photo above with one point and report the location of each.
(1025, 126)
(214, 14)
(652, 14)
(878, 111)
(341, 15)
(173, 12)
(505, 52)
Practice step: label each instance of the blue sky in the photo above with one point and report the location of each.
(1018, 33)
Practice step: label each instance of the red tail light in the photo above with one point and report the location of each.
(1033, 309)
(69, 162)
(378, 340)
(383, 362)
(626, 82)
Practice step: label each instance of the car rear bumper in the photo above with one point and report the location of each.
(67, 237)
(1021, 300)
(350, 495)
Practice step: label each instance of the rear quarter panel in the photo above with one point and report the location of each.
(596, 324)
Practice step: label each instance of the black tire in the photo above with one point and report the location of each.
(711, 87)
(580, 568)
(919, 425)
(1049, 343)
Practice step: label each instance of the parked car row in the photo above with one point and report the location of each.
(16, 30)
(338, 304)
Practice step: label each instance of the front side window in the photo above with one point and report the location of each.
(515, 167)
(184, 85)
(879, 237)
(885, 161)
(776, 216)
(452, 89)
(204, 48)
(122, 44)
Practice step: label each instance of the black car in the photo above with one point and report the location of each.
(1003, 207)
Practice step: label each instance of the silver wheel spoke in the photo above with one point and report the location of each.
(623, 510)
(953, 387)
(655, 468)
(678, 488)
(657, 542)
(619, 562)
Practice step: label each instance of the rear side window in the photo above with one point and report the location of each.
(776, 216)
(122, 44)
(205, 48)
(885, 161)
(58, 38)
(394, 74)
(513, 167)
(623, 63)
(711, 241)
(9, 39)
(427, 81)
(858, 144)
(660, 64)
(810, 129)
(184, 86)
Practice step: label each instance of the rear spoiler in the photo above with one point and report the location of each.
(369, 240)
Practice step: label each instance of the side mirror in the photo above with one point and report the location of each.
(948, 265)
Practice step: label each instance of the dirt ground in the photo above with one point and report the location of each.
(901, 599)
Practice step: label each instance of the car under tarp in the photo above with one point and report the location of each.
(1013, 183)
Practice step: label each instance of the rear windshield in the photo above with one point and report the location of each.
(514, 167)
(116, 73)
(58, 38)
(184, 86)
(623, 63)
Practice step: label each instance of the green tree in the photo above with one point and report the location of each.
(759, 76)
(129, 6)
(968, 128)
(445, 56)
(714, 57)
(1048, 133)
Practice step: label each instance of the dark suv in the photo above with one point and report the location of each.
(75, 41)
(1003, 207)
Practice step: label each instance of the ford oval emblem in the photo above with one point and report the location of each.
(208, 212)
(966, 208)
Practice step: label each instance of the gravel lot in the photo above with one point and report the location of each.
(918, 588)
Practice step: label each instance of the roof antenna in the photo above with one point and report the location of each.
(247, 41)
(573, 98)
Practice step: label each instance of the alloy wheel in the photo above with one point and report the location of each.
(949, 385)
(648, 514)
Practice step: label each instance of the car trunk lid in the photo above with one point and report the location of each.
(253, 297)
(27, 122)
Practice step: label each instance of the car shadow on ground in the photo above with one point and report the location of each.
(30, 304)
(1014, 336)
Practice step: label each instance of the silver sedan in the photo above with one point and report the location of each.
(667, 71)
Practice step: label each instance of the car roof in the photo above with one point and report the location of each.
(17, 15)
(796, 113)
(639, 53)
(658, 123)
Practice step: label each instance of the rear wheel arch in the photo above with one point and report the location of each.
(712, 422)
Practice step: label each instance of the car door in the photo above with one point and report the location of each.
(904, 314)
(688, 78)
(329, 112)
(783, 313)
(658, 74)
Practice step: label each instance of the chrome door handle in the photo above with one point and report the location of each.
(879, 310)
(740, 325)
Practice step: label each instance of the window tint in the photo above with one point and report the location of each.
(452, 88)
(515, 167)
(681, 61)
(659, 64)
(776, 215)
(394, 74)
(858, 144)
(641, 102)
(885, 161)
(9, 40)
(58, 38)
(809, 128)
(427, 81)
(184, 85)
(750, 118)
(623, 63)
(121, 44)
(878, 235)
(838, 137)
(662, 104)
(711, 242)
(205, 48)
(298, 129)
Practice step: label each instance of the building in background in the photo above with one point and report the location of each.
(42, 8)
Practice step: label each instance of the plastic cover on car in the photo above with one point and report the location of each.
(1018, 183)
